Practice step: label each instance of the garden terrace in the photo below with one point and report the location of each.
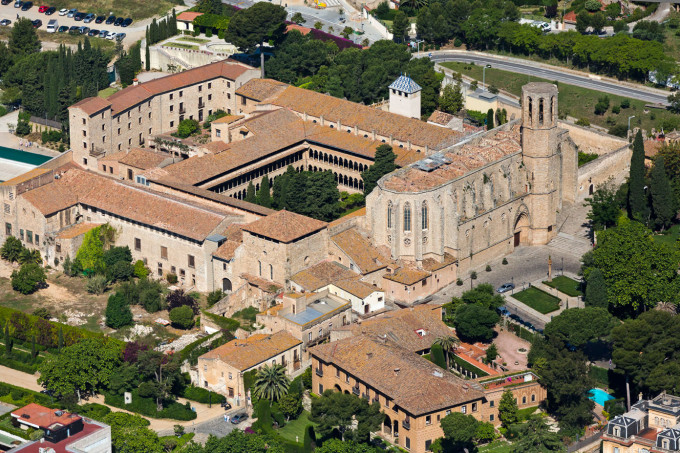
(508, 380)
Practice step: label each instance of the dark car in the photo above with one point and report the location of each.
(99, 19)
(118, 22)
(238, 418)
(74, 30)
(63, 29)
(51, 10)
(18, 4)
(37, 23)
(26, 6)
(93, 32)
(110, 20)
(5, 22)
(505, 287)
(84, 30)
(127, 22)
(225, 405)
(6, 2)
(79, 16)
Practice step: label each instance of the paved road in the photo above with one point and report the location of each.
(541, 70)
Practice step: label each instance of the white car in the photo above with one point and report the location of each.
(111, 36)
(63, 12)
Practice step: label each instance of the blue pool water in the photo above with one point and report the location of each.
(599, 396)
(23, 156)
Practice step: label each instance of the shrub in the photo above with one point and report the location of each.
(23, 128)
(186, 128)
(141, 271)
(147, 407)
(171, 278)
(616, 109)
(290, 406)
(11, 249)
(228, 324)
(201, 395)
(96, 284)
(592, 5)
(120, 272)
(117, 254)
(220, 34)
(473, 275)
(118, 312)
(620, 130)
(28, 278)
(457, 42)
(437, 356)
(179, 298)
(182, 317)
(42, 312)
(488, 268)
(459, 282)
(625, 104)
(215, 297)
(51, 136)
(583, 122)
(602, 105)
(505, 261)
(3, 110)
(208, 33)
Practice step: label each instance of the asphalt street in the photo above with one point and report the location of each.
(533, 69)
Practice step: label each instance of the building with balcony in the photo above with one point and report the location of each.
(221, 370)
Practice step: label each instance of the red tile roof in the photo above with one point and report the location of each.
(92, 105)
(285, 226)
(252, 351)
(188, 16)
(43, 417)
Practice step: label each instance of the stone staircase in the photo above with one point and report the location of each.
(571, 244)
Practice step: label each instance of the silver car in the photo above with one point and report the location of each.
(72, 12)
(505, 287)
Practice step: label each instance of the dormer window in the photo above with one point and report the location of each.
(421, 332)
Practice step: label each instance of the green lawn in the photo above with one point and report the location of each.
(106, 92)
(566, 285)
(524, 414)
(573, 101)
(192, 39)
(538, 300)
(497, 446)
(670, 236)
(296, 428)
(181, 45)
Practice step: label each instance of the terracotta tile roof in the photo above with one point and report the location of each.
(188, 16)
(92, 105)
(261, 90)
(415, 384)
(351, 114)
(300, 28)
(358, 213)
(226, 250)
(440, 117)
(360, 250)
(356, 287)
(30, 174)
(407, 276)
(44, 417)
(216, 147)
(285, 226)
(115, 157)
(461, 160)
(132, 202)
(76, 230)
(253, 351)
(430, 264)
(228, 119)
(265, 285)
(652, 148)
(133, 95)
(414, 329)
(322, 274)
(142, 158)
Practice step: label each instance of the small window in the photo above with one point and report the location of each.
(408, 443)
(29, 236)
(172, 124)
(463, 409)
(164, 252)
(58, 248)
(191, 262)
(200, 88)
(84, 122)
(8, 230)
(428, 419)
(171, 96)
(37, 240)
(492, 403)
(533, 397)
(138, 244)
(491, 417)
(181, 93)
(209, 85)
(474, 407)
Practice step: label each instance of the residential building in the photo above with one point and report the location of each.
(405, 97)
(63, 431)
(524, 386)
(221, 370)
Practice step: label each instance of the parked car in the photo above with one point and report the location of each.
(110, 35)
(89, 18)
(51, 10)
(63, 12)
(74, 30)
(238, 418)
(26, 6)
(37, 23)
(43, 8)
(120, 36)
(505, 287)
(18, 4)
(93, 32)
(5, 2)
(103, 34)
(503, 311)
(127, 22)
(5, 22)
(110, 20)
(63, 29)
(118, 22)
(99, 19)
(52, 26)
(84, 30)
(79, 16)
(72, 12)
(225, 405)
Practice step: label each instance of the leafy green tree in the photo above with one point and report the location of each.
(250, 193)
(507, 409)
(346, 32)
(23, 40)
(28, 278)
(271, 382)
(663, 202)
(116, 254)
(598, 21)
(596, 290)
(120, 272)
(489, 119)
(460, 431)
(422, 71)
(290, 406)
(335, 410)
(536, 437)
(129, 434)
(579, 327)
(485, 295)
(182, 317)
(637, 199)
(448, 345)
(582, 22)
(83, 368)
(118, 312)
(318, 25)
(604, 207)
(252, 27)
(160, 373)
(451, 100)
(400, 25)
(299, 57)
(485, 432)
(238, 441)
(382, 165)
(638, 271)
(11, 249)
(338, 446)
(264, 197)
(30, 256)
(186, 128)
(491, 353)
(214, 297)
(674, 101)
(475, 322)
(91, 252)
(298, 19)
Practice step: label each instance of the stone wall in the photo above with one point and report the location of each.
(592, 141)
(614, 166)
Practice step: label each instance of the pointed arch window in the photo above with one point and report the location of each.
(423, 212)
(407, 217)
(390, 213)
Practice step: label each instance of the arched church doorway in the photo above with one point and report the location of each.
(521, 231)
(226, 285)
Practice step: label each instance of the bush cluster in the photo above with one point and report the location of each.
(147, 407)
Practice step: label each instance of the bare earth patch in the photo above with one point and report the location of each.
(508, 348)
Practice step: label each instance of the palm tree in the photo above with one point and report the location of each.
(667, 307)
(448, 344)
(271, 382)
(30, 256)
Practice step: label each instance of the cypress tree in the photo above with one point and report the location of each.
(596, 290)
(296, 198)
(174, 22)
(148, 56)
(280, 198)
(60, 339)
(637, 202)
(8, 341)
(383, 164)
(34, 349)
(264, 197)
(663, 201)
(250, 193)
(489, 120)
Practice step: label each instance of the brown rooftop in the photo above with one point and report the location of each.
(76, 230)
(43, 417)
(407, 276)
(30, 174)
(360, 250)
(253, 351)
(92, 105)
(441, 118)
(142, 158)
(228, 119)
(262, 90)
(227, 250)
(285, 226)
(322, 274)
(412, 382)
(188, 16)
(356, 287)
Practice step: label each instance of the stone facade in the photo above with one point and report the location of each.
(525, 387)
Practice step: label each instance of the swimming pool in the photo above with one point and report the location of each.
(599, 396)
(23, 156)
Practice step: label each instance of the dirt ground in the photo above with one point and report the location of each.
(508, 348)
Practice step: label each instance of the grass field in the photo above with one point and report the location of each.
(573, 101)
(497, 446)
(295, 430)
(106, 92)
(181, 45)
(192, 39)
(134, 9)
(669, 237)
(566, 285)
(539, 300)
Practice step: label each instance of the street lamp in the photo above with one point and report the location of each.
(484, 76)
(418, 46)
(630, 118)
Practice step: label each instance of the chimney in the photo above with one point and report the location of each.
(396, 371)
(369, 355)
(135, 82)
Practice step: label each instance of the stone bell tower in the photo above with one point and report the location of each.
(541, 157)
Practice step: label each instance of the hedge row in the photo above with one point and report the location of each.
(20, 365)
(201, 395)
(184, 353)
(224, 323)
(470, 368)
(20, 396)
(147, 407)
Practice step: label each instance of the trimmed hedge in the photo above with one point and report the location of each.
(20, 396)
(201, 395)
(147, 407)
(599, 375)
(184, 353)
(437, 356)
(470, 368)
(224, 323)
